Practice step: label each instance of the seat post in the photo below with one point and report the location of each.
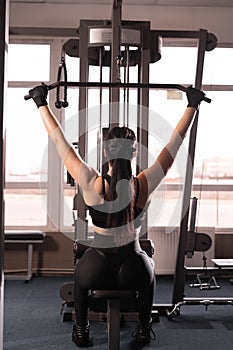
(113, 324)
(113, 298)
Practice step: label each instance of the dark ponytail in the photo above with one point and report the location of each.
(120, 144)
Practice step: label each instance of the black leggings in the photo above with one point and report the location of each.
(126, 267)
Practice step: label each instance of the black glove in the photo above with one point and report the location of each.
(194, 97)
(39, 95)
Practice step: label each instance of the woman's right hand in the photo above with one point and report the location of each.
(194, 97)
(39, 95)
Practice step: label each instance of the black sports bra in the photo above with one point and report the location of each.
(99, 213)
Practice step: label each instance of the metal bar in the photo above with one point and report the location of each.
(99, 133)
(50, 32)
(124, 95)
(126, 105)
(116, 40)
(115, 63)
(113, 324)
(198, 301)
(193, 214)
(74, 32)
(179, 278)
(181, 34)
(80, 227)
(143, 117)
(80, 84)
(30, 255)
(83, 97)
(143, 120)
(138, 170)
(4, 29)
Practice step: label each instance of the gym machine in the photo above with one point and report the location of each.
(90, 47)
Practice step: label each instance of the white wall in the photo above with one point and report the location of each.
(216, 20)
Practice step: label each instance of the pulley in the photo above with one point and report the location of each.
(212, 42)
(71, 48)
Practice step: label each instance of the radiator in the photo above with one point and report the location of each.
(166, 246)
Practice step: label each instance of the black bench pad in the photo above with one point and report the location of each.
(113, 294)
(23, 235)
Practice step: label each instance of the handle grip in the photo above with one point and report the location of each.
(184, 89)
(206, 99)
(50, 87)
(27, 97)
(114, 84)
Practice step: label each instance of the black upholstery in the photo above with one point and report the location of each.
(113, 294)
(23, 235)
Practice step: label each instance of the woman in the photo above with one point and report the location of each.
(117, 203)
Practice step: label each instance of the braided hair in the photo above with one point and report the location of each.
(120, 145)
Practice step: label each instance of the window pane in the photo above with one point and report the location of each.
(213, 157)
(72, 65)
(25, 207)
(71, 124)
(224, 209)
(214, 208)
(176, 66)
(214, 146)
(26, 140)
(165, 207)
(218, 67)
(28, 62)
(165, 111)
(68, 207)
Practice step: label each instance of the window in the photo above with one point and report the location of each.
(213, 169)
(217, 67)
(26, 140)
(33, 173)
(28, 62)
(177, 66)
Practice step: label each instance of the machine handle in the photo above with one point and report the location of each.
(119, 85)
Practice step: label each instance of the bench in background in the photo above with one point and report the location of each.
(24, 237)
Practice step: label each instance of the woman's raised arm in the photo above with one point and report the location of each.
(79, 170)
(152, 176)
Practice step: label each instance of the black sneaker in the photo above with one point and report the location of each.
(80, 336)
(144, 333)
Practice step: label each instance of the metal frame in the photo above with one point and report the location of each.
(143, 100)
(179, 280)
(178, 299)
(206, 42)
(114, 86)
(4, 27)
(115, 52)
(80, 224)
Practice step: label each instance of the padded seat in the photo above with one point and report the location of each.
(23, 235)
(114, 294)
